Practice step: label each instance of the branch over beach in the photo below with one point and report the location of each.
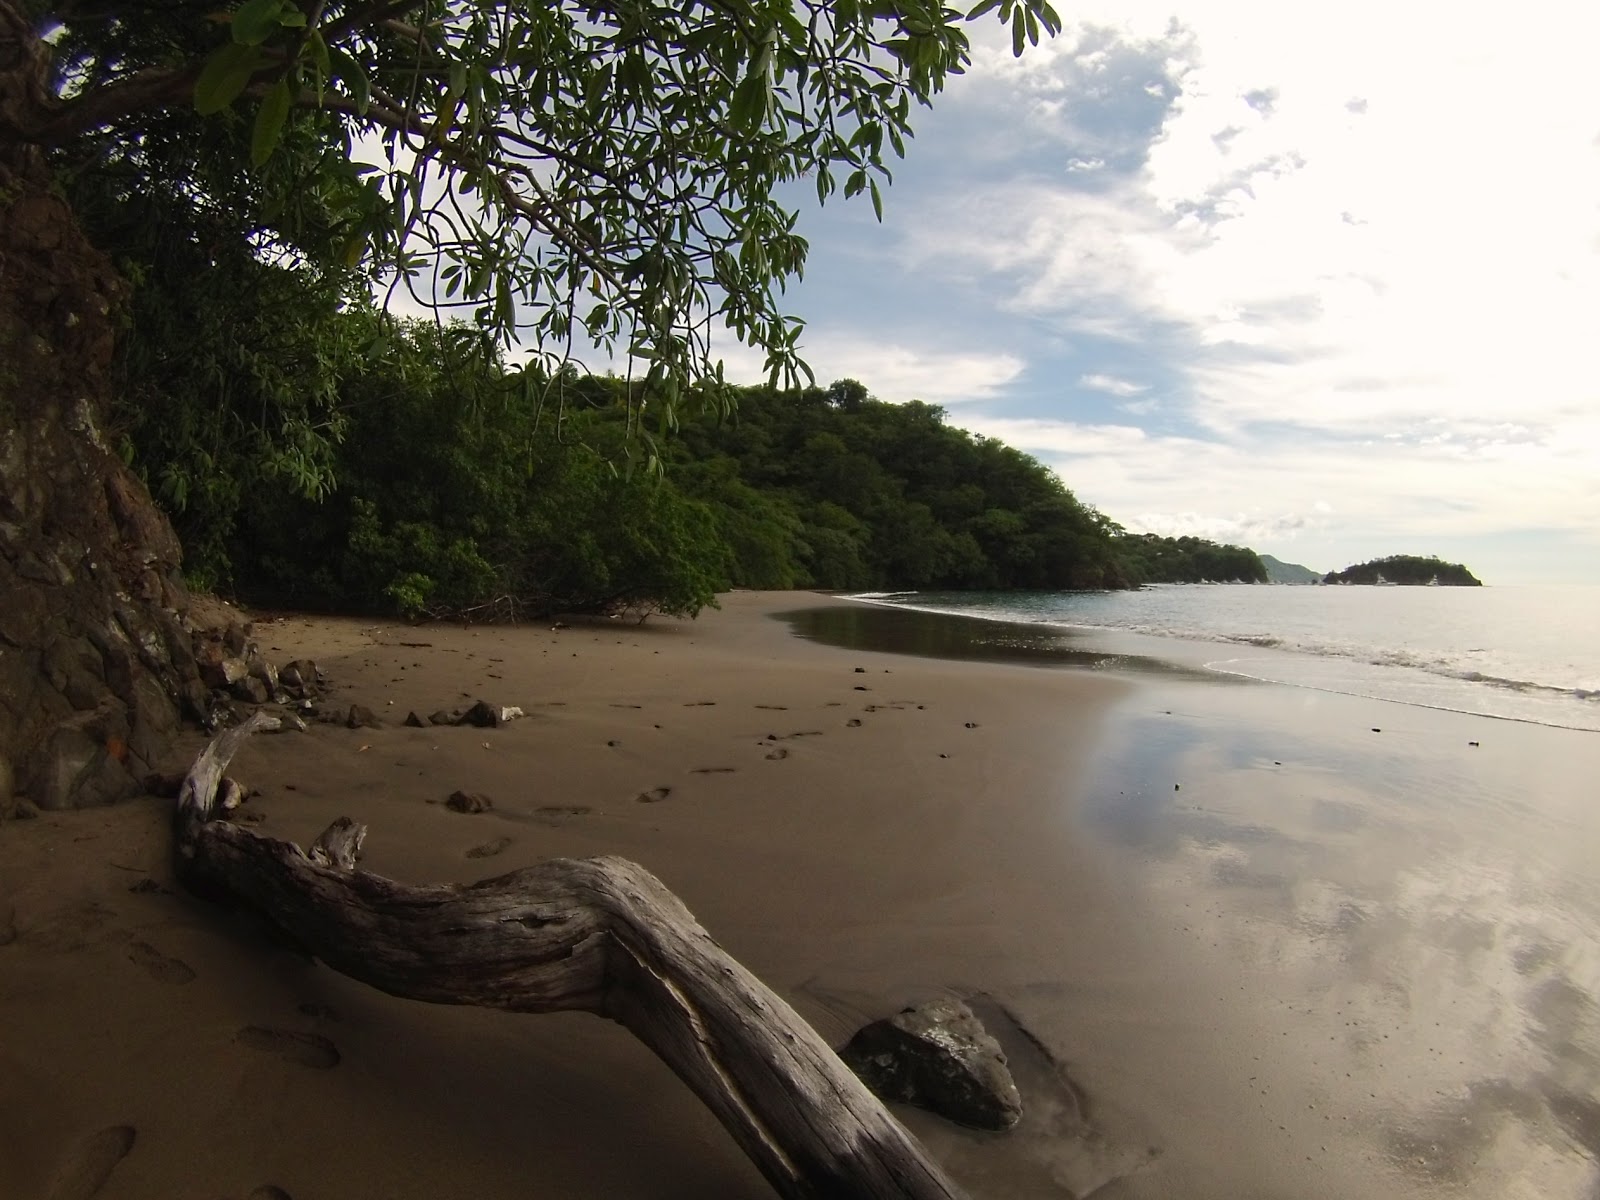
(599, 935)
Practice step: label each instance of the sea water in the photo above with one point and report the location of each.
(1519, 653)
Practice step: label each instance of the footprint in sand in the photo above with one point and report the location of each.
(712, 770)
(775, 707)
(780, 752)
(304, 1049)
(91, 1163)
(853, 723)
(161, 968)
(557, 812)
(490, 848)
(700, 704)
(654, 796)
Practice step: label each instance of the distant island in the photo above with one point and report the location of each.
(1408, 569)
(1279, 571)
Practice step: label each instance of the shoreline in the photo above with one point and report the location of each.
(1091, 855)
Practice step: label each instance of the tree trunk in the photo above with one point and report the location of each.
(93, 658)
(598, 935)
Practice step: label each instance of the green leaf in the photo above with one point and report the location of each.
(274, 111)
(257, 20)
(225, 75)
(1019, 34)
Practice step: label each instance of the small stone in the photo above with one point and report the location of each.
(446, 716)
(468, 802)
(362, 717)
(415, 722)
(23, 809)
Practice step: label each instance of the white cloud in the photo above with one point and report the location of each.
(1110, 385)
(1361, 255)
(899, 371)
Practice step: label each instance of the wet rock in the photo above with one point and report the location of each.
(938, 1056)
(468, 802)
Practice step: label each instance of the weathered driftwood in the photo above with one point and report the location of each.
(598, 935)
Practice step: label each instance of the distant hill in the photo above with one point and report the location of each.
(1406, 569)
(1279, 571)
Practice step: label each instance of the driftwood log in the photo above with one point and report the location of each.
(599, 935)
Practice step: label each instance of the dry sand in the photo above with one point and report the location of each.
(861, 829)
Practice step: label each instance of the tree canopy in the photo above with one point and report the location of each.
(565, 174)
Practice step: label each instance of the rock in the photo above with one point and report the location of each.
(300, 678)
(261, 669)
(251, 690)
(468, 802)
(447, 716)
(218, 669)
(487, 716)
(362, 717)
(938, 1056)
(415, 722)
(23, 809)
(236, 638)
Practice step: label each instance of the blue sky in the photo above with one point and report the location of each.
(1326, 283)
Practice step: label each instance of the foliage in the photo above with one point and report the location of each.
(459, 497)
(1150, 558)
(564, 173)
(1407, 569)
(863, 494)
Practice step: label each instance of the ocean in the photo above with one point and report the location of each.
(1517, 653)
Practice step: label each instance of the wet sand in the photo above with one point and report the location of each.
(1331, 962)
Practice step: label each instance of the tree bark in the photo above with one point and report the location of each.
(599, 935)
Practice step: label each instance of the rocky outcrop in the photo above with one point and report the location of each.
(94, 658)
(938, 1056)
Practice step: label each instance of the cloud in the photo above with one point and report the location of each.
(1111, 385)
(891, 370)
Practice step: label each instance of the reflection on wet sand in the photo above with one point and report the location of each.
(938, 635)
(1415, 915)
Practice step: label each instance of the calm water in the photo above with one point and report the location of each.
(1523, 653)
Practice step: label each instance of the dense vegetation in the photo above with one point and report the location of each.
(404, 467)
(1408, 569)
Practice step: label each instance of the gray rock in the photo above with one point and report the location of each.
(415, 722)
(362, 717)
(447, 716)
(938, 1056)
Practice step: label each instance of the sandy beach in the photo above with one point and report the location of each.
(1264, 942)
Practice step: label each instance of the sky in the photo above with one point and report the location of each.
(1321, 282)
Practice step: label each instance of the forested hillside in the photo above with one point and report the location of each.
(1409, 569)
(406, 468)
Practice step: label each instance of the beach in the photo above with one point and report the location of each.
(1238, 939)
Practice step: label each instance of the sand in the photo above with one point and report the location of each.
(862, 830)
